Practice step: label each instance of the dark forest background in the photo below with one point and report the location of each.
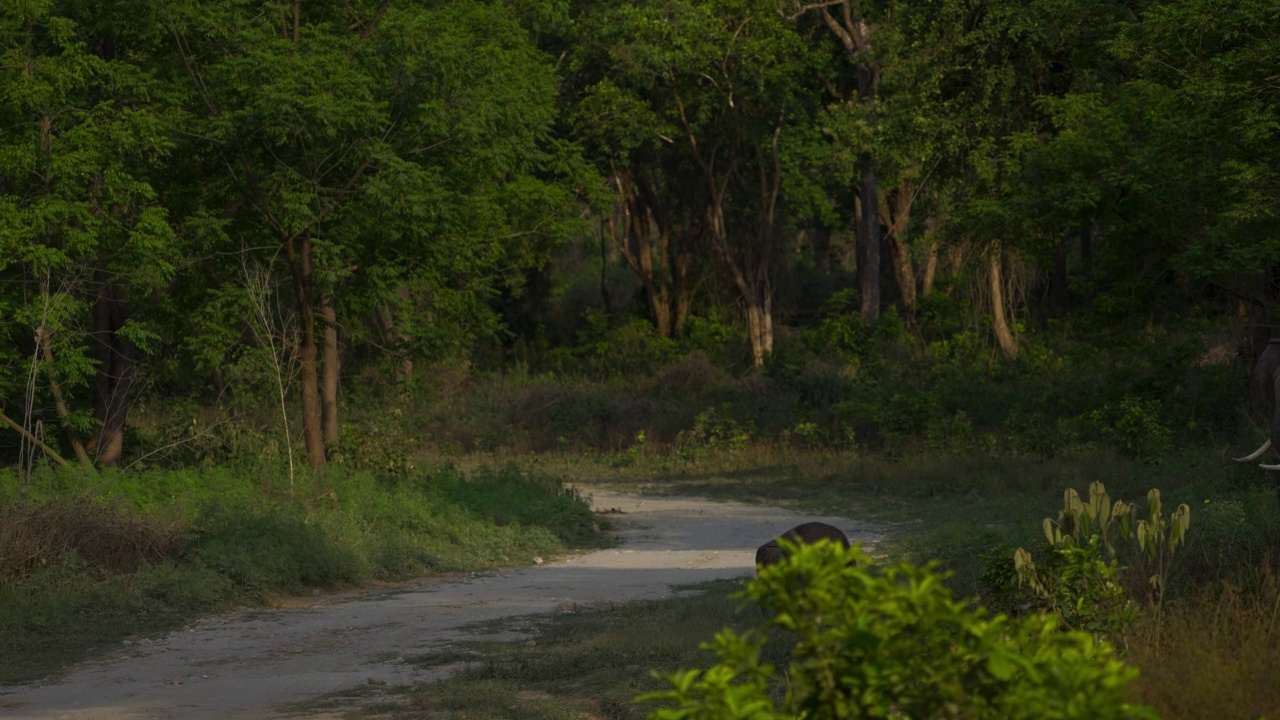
(532, 225)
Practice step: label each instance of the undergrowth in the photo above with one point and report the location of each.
(88, 561)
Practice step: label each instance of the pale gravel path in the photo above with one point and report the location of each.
(249, 664)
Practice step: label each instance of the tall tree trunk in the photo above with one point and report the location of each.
(330, 368)
(904, 273)
(657, 243)
(299, 253)
(999, 321)
(869, 245)
(631, 230)
(930, 270)
(59, 400)
(760, 329)
(869, 228)
(114, 375)
(752, 284)
(854, 33)
(895, 214)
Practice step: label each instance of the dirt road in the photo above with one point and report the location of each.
(250, 664)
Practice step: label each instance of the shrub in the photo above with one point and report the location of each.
(106, 535)
(896, 644)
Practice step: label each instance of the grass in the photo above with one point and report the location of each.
(1213, 657)
(585, 664)
(87, 563)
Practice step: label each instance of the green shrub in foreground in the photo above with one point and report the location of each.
(897, 644)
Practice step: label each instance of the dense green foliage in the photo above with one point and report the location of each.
(209, 205)
(879, 644)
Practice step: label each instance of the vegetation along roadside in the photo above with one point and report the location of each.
(282, 283)
(88, 562)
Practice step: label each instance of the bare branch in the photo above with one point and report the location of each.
(53, 454)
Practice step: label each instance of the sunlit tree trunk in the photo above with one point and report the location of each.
(929, 272)
(642, 228)
(299, 253)
(869, 245)
(895, 213)
(330, 369)
(999, 320)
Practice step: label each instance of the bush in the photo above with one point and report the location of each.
(896, 644)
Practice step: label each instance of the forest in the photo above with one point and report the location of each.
(358, 246)
(213, 204)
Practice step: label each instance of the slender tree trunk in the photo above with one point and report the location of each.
(606, 301)
(299, 252)
(854, 32)
(59, 402)
(869, 265)
(930, 270)
(114, 376)
(869, 245)
(904, 273)
(755, 291)
(330, 369)
(111, 444)
(895, 214)
(643, 229)
(999, 321)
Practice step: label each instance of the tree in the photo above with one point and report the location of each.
(85, 246)
(852, 27)
(386, 151)
(1208, 69)
(655, 219)
(721, 83)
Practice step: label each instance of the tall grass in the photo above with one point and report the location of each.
(1213, 657)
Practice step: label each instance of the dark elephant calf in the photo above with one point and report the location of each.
(809, 533)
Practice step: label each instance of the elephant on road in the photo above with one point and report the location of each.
(809, 533)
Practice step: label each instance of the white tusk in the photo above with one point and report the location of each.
(1270, 467)
(1256, 453)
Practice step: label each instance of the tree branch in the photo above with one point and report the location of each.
(53, 455)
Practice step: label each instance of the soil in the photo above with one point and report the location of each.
(262, 663)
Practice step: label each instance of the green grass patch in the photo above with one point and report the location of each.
(586, 664)
(87, 562)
